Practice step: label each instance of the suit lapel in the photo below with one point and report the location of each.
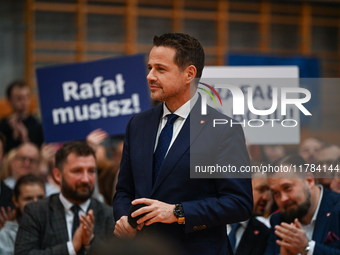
(197, 120)
(245, 245)
(250, 238)
(149, 138)
(190, 130)
(97, 213)
(323, 217)
(58, 220)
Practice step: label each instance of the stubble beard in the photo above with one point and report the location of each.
(301, 211)
(73, 194)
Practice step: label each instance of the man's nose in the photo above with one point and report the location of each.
(266, 196)
(151, 76)
(284, 197)
(85, 177)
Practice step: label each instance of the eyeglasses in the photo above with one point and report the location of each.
(23, 159)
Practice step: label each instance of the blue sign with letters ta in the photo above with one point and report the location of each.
(76, 99)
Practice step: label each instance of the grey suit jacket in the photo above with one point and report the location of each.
(43, 228)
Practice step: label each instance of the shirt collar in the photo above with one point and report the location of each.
(67, 204)
(184, 110)
(244, 223)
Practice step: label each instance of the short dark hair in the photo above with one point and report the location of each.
(189, 50)
(296, 161)
(12, 85)
(27, 180)
(78, 148)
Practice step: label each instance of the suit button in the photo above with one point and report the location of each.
(195, 228)
(204, 227)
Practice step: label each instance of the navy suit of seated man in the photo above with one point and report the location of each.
(309, 218)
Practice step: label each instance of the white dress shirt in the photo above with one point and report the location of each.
(69, 219)
(182, 112)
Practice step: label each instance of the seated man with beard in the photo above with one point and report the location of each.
(250, 237)
(69, 222)
(309, 217)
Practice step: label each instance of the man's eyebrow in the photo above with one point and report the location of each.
(157, 64)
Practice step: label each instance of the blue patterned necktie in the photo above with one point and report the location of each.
(76, 222)
(164, 141)
(232, 235)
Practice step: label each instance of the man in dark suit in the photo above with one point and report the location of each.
(72, 221)
(251, 236)
(308, 221)
(163, 143)
(20, 127)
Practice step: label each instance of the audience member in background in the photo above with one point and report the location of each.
(308, 221)
(309, 148)
(5, 192)
(6, 167)
(273, 152)
(25, 161)
(47, 164)
(109, 175)
(107, 181)
(2, 149)
(29, 188)
(326, 156)
(67, 223)
(335, 183)
(20, 127)
(95, 140)
(251, 236)
(117, 145)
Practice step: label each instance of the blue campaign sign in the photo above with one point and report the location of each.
(76, 99)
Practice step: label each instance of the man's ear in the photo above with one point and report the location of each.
(15, 202)
(57, 175)
(191, 72)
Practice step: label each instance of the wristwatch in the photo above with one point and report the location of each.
(179, 213)
(305, 251)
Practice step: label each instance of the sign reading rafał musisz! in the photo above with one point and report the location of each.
(76, 99)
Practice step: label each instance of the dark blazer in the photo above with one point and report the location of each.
(208, 203)
(6, 196)
(327, 227)
(43, 228)
(254, 239)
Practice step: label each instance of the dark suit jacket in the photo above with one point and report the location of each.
(327, 223)
(208, 203)
(6, 196)
(43, 228)
(254, 239)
